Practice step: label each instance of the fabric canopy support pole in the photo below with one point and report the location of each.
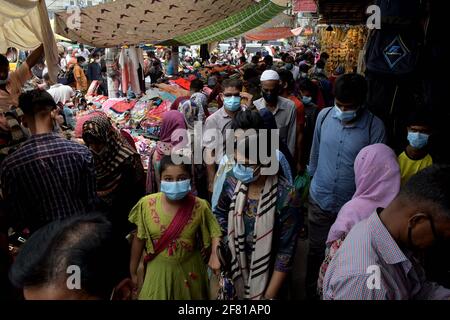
(131, 22)
(175, 59)
(234, 25)
(24, 24)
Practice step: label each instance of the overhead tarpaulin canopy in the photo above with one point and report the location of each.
(270, 34)
(280, 20)
(143, 21)
(24, 24)
(236, 24)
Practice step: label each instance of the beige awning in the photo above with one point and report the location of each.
(24, 24)
(144, 21)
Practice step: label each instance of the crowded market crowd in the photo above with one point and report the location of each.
(90, 178)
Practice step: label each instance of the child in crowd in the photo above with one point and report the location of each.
(416, 156)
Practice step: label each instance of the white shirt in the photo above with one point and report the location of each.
(61, 93)
(295, 72)
(68, 58)
(85, 53)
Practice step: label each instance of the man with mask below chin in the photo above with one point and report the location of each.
(219, 121)
(377, 260)
(283, 109)
(340, 133)
(48, 177)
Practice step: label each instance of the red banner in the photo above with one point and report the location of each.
(270, 34)
(304, 6)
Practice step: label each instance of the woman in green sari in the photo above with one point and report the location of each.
(170, 225)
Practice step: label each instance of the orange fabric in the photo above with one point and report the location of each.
(270, 34)
(80, 78)
(183, 83)
(300, 110)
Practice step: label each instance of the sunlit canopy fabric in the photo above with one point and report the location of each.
(144, 21)
(270, 34)
(280, 20)
(234, 25)
(24, 24)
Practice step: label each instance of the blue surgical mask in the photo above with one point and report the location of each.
(243, 173)
(306, 100)
(418, 140)
(176, 190)
(232, 103)
(345, 116)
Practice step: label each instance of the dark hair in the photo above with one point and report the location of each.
(268, 60)
(4, 61)
(320, 64)
(351, 88)
(304, 68)
(284, 56)
(250, 73)
(85, 241)
(243, 59)
(80, 59)
(247, 119)
(420, 118)
(324, 55)
(36, 101)
(308, 85)
(196, 85)
(232, 83)
(255, 59)
(287, 77)
(430, 185)
(166, 161)
(249, 142)
(150, 53)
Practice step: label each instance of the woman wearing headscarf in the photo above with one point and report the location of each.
(171, 121)
(260, 225)
(377, 179)
(120, 174)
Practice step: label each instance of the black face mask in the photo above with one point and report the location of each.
(270, 97)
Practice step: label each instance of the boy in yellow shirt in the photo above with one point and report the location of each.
(416, 156)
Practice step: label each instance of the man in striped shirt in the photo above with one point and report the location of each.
(48, 177)
(376, 260)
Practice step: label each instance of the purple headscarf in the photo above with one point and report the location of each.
(377, 178)
(172, 120)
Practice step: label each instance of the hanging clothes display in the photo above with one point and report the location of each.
(133, 69)
(124, 66)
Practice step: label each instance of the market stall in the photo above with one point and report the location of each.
(344, 44)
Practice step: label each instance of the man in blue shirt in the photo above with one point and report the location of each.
(341, 132)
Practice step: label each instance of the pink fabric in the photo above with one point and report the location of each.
(171, 121)
(377, 178)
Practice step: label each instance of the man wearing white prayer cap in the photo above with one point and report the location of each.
(283, 109)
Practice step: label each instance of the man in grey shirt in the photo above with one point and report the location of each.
(283, 109)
